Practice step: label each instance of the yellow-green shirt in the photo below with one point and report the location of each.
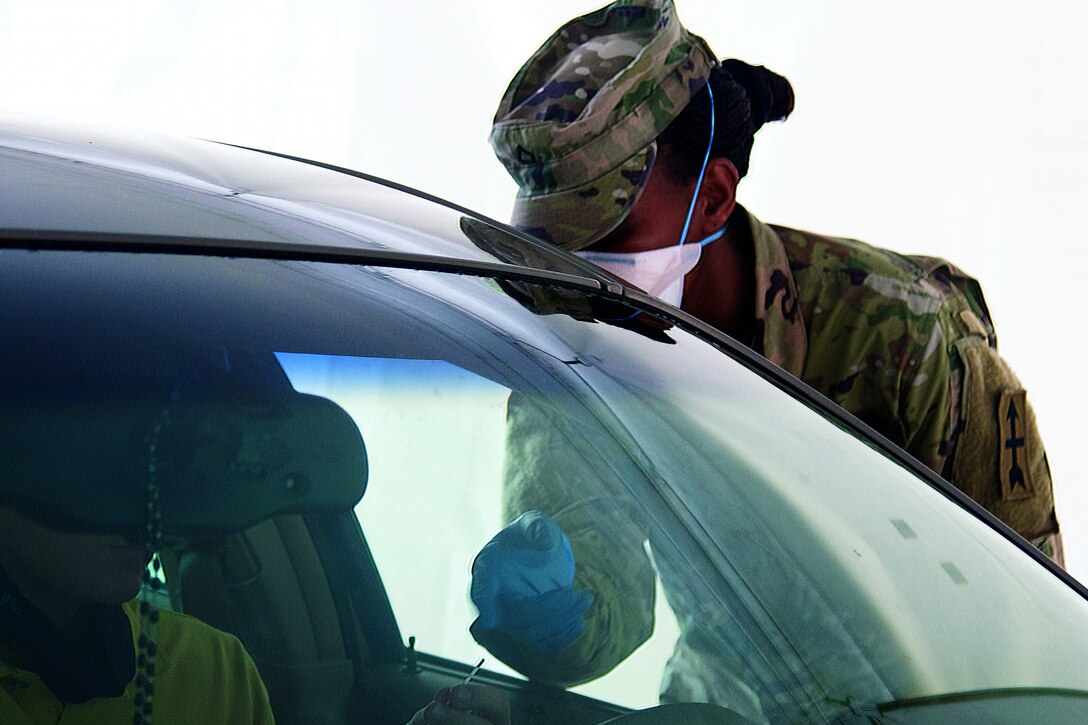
(202, 676)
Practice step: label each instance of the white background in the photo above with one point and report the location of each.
(953, 128)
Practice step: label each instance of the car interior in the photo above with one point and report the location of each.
(260, 486)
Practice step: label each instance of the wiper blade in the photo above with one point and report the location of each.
(999, 705)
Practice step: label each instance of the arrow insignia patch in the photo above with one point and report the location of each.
(1015, 473)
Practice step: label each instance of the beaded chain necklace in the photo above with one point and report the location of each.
(149, 616)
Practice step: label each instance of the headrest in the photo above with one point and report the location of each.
(87, 436)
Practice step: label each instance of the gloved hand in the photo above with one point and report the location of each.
(522, 585)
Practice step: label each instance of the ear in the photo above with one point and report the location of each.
(717, 196)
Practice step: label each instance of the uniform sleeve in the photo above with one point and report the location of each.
(999, 459)
(550, 467)
(967, 416)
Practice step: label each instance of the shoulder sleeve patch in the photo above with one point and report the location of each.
(998, 457)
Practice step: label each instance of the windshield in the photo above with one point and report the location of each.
(738, 547)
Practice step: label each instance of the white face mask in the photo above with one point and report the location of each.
(659, 271)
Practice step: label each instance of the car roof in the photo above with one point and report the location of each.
(67, 179)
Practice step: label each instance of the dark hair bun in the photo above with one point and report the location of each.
(770, 95)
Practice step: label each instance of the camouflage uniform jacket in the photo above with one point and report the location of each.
(904, 343)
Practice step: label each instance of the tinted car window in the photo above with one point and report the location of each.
(800, 573)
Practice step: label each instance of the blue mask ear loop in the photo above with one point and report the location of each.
(699, 183)
(691, 209)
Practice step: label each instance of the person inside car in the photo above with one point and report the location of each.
(70, 627)
(71, 632)
(112, 455)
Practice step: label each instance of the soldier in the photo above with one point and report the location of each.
(628, 141)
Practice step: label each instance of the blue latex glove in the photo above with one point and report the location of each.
(522, 584)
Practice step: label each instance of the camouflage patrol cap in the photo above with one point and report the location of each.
(577, 125)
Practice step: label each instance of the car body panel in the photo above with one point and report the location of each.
(93, 180)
